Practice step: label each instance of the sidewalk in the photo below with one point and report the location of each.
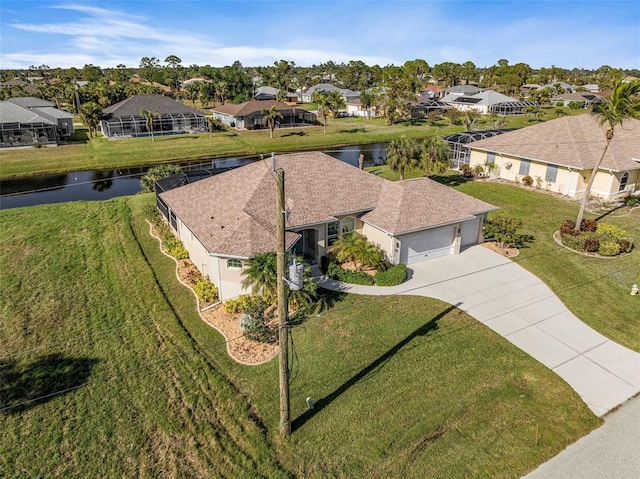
(521, 308)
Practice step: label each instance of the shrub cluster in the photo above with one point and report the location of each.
(205, 290)
(603, 238)
(171, 244)
(393, 276)
(632, 201)
(258, 313)
(242, 304)
(527, 180)
(336, 271)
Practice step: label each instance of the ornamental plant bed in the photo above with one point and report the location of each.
(351, 266)
(594, 239)
(505, 251)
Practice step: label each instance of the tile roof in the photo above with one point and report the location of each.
(250, 107)
(574, 141)
(233, 213)
(160, 103)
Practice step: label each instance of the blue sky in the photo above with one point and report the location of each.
(568, 34)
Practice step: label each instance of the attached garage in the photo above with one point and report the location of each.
(470, 231)
(426, 244)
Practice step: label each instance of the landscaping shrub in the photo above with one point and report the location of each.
(258, 315)
(527, 180)
(609, 248)
(504, 229)
(242, 304)
(611, 232)
(632, 201)
(174, 246)
(591, 245)
(588, 226)
(346, 276)
(575, 242)
(205, 290)
(393, 276)
(466, 171)
(625, 245)
(567, 227)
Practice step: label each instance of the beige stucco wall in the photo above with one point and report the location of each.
(229, 279)
(378, 237)
(568, 181)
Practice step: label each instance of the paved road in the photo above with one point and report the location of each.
(610, 452)
(517, 305)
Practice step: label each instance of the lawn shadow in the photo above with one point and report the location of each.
(450, 180)
(607, 213)
(25, 386)
(295, 133)
(318, 406)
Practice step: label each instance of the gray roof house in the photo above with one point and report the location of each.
(25, 127)
(487, 102)
(347, 95)
(228, 218)
(48, 110)
(124, 120)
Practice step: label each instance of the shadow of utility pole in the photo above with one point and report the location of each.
(423, 330)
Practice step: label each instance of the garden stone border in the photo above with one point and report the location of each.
(557, 239)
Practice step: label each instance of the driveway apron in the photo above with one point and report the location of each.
(517, 305)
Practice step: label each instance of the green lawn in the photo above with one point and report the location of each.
(84, 153)
(594, 289)
(404, 386)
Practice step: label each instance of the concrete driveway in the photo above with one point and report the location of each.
(518, 306)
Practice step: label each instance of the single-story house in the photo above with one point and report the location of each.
(25, 127)
(355, 108)
(487, 102)
(48, 110)
(347, 95)
(461, 90)
(249, 114)
(270, 93)
(123, 120)
(223, 221)
(423, 108)
(560, 84)
(584, 98)
(561, 153)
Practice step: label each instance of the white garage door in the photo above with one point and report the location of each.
(470, 230)
(426, 244)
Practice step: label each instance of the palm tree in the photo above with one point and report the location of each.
(469, 119)
(90, 113)
(270, 117)
(323, 107)
(148, 116)
(335, 102)
(623, 104)
(367, 100)
(347, 247)
(401, 154)
(261, 274)
(434, 155)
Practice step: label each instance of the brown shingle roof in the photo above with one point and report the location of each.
(233, 213)
(575, 141)
(250, 107)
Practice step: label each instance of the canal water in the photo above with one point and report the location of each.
(106, 184)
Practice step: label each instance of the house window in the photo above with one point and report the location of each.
(491, 158)
(624, 179)
(348, 225)
(552, 173)
(333, 229)
(234, 263)
(524, 167)
(174, 221)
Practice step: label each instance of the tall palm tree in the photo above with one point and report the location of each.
(367, 100)
(148, 117)
(623, 104)
(323, 107)
(270, 117)
(434, 155)
(335, 102)
(261, 274)
(401, 154)
(470, 119)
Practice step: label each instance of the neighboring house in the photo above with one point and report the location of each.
(48, 110)
(355, 108)
(422, 109)
(249, 115)
(191, 81)
(565, 86)
(225, 220)
(123, 120)
(266, 93)
(563, 152)
(591, 87)
(20, 126)
(586, 99)
(459, 144)
(487, 102)
(461, 90)
(347, 95)
(432, 92)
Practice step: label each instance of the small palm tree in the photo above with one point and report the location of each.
(434, 155)
(470, 119)
(270, 117)
(623, 104)
(323, 107)
(261, 274)
(401, 154)
(148, 116)
(347, 247)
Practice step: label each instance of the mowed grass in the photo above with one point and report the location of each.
(596, 290)
(404, 386)
(84, 153)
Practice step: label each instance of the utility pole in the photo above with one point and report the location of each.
(285, 421)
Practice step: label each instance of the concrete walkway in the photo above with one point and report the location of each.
(518, 306)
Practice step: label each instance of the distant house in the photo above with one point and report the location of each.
(585, 99)
(47, 109)
(227, 219)
(562, 154)
(423, 108)
(347, 95)
(355, 108)
(124, 120)
(191, 81)
(461, 90)
(488, 102)
(249, 115)
(560, 84)
(24, 127)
